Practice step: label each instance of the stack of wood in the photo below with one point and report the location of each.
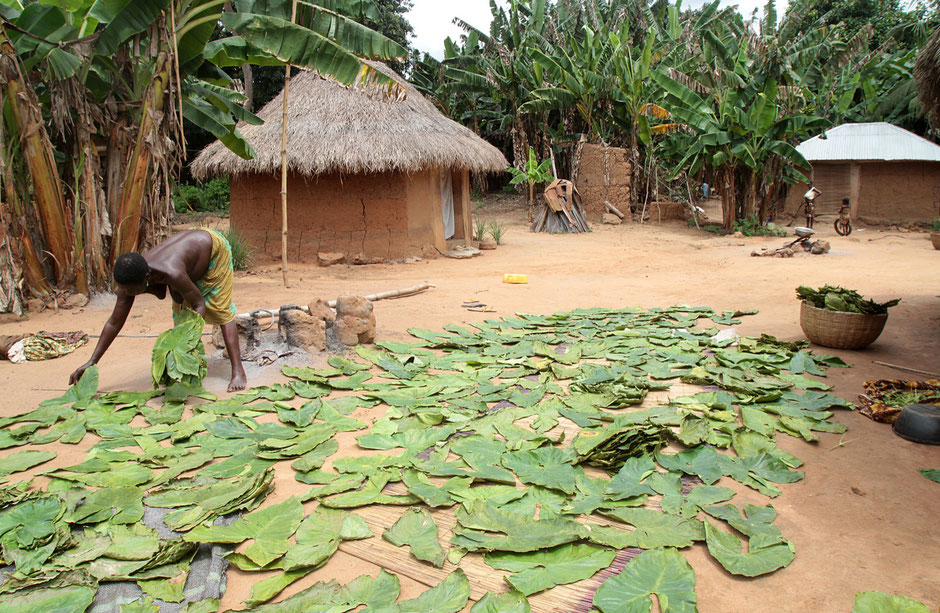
(562, 213)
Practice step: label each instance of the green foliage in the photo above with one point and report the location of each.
(178, 354)
(241, 252)
(497, 229)
(935, 226)
(480, 226)
(416, 529)
(751, 226)
(209, 197)
(663, 572)
(880, 602)
(834, 298)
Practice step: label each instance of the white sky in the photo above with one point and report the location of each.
(432, 19)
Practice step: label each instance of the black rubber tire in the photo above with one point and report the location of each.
(842, 229)
(919, 423)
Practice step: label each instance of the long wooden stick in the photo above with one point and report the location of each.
(611, 208)
(905, 368)
(293, 16)
(397, 293)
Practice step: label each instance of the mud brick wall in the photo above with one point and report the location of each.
(349, 214)
(592, 180)
(880, 192)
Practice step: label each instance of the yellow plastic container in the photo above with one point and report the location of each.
(515, 278)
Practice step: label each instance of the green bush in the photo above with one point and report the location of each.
(241, 252)
(750, 226)
(936, 225)
(209, 197)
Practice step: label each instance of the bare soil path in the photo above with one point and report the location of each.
(863, 518)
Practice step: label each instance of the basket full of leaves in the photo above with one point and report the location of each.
(841, 318)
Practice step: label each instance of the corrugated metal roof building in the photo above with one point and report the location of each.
(888, 173)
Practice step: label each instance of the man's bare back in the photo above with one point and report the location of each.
(174, 266)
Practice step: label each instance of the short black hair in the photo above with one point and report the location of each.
(845, 201)
(131, 269)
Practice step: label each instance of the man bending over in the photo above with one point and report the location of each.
(195, 266)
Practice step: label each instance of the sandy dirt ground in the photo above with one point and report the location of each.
(863, 518)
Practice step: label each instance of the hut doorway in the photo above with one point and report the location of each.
(454, 207)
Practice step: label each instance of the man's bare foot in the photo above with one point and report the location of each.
(238, 382)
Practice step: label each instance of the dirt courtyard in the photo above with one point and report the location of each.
(862, 519)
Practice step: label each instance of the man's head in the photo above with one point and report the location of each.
(130, 273)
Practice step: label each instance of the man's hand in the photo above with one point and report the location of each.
(75, 376)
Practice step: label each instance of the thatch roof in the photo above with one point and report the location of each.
(332, 128)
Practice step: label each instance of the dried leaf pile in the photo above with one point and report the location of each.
(475, 421)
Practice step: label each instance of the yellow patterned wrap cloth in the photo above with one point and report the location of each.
(217, 284)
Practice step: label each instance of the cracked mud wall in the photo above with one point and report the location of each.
(388, 216)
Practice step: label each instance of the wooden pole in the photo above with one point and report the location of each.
(293, 16)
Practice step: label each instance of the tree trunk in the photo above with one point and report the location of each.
(138, 180)
(38, 155)
(247, 77)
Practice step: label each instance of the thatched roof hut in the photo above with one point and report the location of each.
(369, 177)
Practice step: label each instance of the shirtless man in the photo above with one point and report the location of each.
(195, 266)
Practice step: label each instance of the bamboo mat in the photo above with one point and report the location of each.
(574, 597)
(483, 579)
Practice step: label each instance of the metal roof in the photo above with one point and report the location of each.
(869, 142)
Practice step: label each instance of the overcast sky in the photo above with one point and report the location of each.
(432, 19)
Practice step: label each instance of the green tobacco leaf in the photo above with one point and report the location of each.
(726, 548)
(483, 527)
(66, 599)
(506, 602)
(266, 589)
(699, 461)
(931, 473)
(663, 572)
(163, 589)
(207, 605)
(448, 596)
(655, 529)
(541, 570)
(628, 482)
(270, 527)
(178, 353)
(416, 529)
(320, 534)
(547, 466)
(118, 505)
(433, 496)
(23, 460)
(880, 602)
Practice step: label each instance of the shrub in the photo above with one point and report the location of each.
(241, 252)
(209, 197)
(750, 226)
(497, 229)
(936, 224)
(479, 229)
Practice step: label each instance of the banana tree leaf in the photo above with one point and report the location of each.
(663, 572)
(269, 528)
(541, 570)
(23, 460)
(506, 602)
(482, 527)
(417, 529)
(726, 548)
(880, 602)
(548, 466)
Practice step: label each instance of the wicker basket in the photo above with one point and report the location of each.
(935, 239)
(840, 330)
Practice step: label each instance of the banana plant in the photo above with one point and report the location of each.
(533, 174)
(109, 84)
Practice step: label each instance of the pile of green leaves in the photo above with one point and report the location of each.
(832, 298)
(179, 355)
(470, 413)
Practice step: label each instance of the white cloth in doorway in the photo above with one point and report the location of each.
(447, 203)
